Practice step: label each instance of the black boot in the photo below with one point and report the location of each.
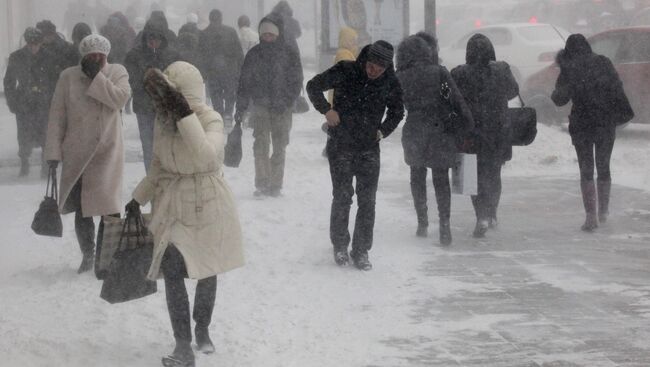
(183, 355)
(445, 232)
(203, 342)
(85, 230)
(604, 189)
(588, 189)
(362, 262)
(204, 297)
(443, 199)
(481, 228)
(341, 256)
(419, 192)
(24, 167)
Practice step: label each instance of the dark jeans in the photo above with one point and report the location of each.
(145, 125)
(175, 272)
(344, 166)
(489, 185)
(603, 144)
(31, 131)
(223, 95)
(440, 178)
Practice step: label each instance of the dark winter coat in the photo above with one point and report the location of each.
(271, 75)
(159, 20)
(61, 55)
(487, 86)
(591, 82)
(141, 58)
(220, 52)
(121, 36)
(27, 81)
(291, 26)
(360, 102)
(424, 139)
(190, 28)
(188, 48)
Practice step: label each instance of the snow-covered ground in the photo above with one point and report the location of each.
(291, 306)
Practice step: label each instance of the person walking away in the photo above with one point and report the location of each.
(364, 90)
(487, 86)
(427, 140)
(85, 135)
(591, 82)
(222, 58)
(271, 78)
(27, 91)
(118, 31)
(247, 36)
(291, 26)
(195, 224)
(152, 52)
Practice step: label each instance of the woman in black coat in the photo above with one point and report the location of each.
(599, 103)
(487, 86)
(426, 141)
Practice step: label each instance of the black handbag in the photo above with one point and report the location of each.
(233, 151)
(47, 220)
(451, 120)
(127, 275)
(521, 125)
(301, 105)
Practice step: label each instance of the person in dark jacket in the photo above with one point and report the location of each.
(272, 79)
(27, 89)
(222, 58)
(427, 141)
(364, 90)
(487, 86)
(62, 54)
(152, 52)
(591, 82)
(158, 18)
(79, 32)
(192, 26)
(118, 31)
(292, 29)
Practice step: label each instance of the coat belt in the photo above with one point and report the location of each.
(198, 190)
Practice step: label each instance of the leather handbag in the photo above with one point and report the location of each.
(521, 125)
(126, 279)
(233, 150)
(47, 220)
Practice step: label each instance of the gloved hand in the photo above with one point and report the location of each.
(133, 207)
(239, 117)
(90, 67)
(53, 164)
(175, 102)
(161, 92)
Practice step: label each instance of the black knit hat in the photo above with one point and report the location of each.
(381, 53)
(47, 27)
(33, 35)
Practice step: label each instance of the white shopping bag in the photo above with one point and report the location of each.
(464, 177)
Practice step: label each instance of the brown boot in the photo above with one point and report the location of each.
(588, 189)
(604, 188)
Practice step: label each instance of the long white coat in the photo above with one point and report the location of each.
(193, 207)
(84, 133)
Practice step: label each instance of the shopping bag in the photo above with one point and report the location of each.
(464, 177)
(126, 278)
(108, 243)
(233, 151)
(47, 220)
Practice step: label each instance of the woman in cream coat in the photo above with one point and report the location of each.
(195, 224)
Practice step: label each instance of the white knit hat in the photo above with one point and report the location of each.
(94, 44)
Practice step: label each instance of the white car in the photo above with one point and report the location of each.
(527, 47)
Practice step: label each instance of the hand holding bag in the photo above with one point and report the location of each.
(521, 125)
(47, 220)
(126, 279)
(233, 151)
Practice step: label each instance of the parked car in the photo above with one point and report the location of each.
(629, 50)
(527, 47)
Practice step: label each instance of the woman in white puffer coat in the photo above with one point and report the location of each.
(195, 224)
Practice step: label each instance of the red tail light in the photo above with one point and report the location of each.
(532, 20)
(478, 23)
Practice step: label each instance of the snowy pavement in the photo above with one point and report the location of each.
(536, 292)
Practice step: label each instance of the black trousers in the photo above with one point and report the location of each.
(223, 92)
(486, 202)
(175, 272)
(603, 145)
(84, 227)
(344, 167)
(440, 178)
(31, 131)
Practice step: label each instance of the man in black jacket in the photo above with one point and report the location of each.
(28, 91)
(221, 57)
(272, 78)
(364, 90)
(152, 52)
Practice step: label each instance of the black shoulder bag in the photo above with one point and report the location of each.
(47, 220)
(521, 124)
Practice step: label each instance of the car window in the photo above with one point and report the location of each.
(607, 46)
(539, 33)
(498, 37)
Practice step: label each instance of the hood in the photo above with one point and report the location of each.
(576, 46)
(479, 50)
(348, 39)
(155, 27)
(283, 9)
(413, 50)
(79, 32)
(187, 79)
(159, 17)
(123, 20)
(277, 20)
